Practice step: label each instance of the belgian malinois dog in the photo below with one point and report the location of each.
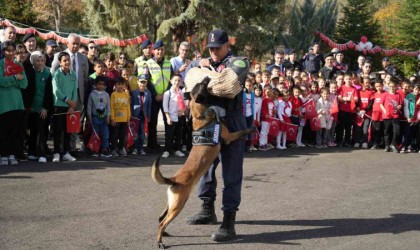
(199, 160)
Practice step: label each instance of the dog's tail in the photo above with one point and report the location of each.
(157, 175)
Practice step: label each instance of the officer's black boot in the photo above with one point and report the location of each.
(205, 216)
(227, 229)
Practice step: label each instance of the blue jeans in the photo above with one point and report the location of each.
(102, 130)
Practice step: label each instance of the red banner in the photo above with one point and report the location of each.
(315, 123)
(310, 109)
(291, 131)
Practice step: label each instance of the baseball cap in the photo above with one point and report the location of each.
(52, 43)
(158, 44)
(142, 78)
(217, 38)
(291, 51)
(145, 43)
(27, 36)
(385, 59)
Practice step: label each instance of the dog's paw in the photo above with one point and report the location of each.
(161, 245)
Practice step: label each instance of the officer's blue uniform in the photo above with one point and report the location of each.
(230, 155)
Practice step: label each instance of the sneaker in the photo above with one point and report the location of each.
(184, 148)
(319, 146)
(329, 144)
(387, 149)
(4, 161)
(364, 145)
(394, 149)
(114, 153)
(356, 145)
(32, 158)
(179, 153)
(403, 150)
(301, 145)
(409, 149)
(106, 153)
(264, 147)
(68, 157)
(374, 147)
(122, 152)
(135, 151)
(270, 146)
(165, 154)
(42, 160)
(94, 154)
(12, 160)
(142, 152)
(56, 158)
(253, 148)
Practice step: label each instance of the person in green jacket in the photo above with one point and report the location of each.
(12, 80)
(64, 85)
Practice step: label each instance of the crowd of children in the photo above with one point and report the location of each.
(290, 106)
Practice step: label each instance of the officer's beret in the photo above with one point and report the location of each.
(145, 43)
(158, 44)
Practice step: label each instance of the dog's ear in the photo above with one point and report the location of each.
(187, 96)
(206, 81)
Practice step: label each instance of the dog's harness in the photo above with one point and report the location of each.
(208, 135)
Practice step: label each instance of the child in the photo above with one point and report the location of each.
(314, 94)
(265, 78)
(284, 111)
(296, 115)
(111, 73)
(141, 103)
(248, 109)
(65, 98)
(258, 78)
(304, 125)
(321, 83)
(173, 107)
(364, 111)
(297, 80)
(377, 120)
(411, 109)
(98, 114)
(405, 126)
(120, 116)
(391, 106)
(347, 98)
(257, 108)
(267, 113)
(334, 117)
(38, 116)
(323, 107)
(127, 73)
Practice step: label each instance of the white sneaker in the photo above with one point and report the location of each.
(4, 161)
(270, 146)
(356, 145)
(32, 158)
(179, 154)
(364, 145)
(68, 157)
(135, 151)
(253, 148)
(12, 160)
(56, 158)
(142, 152)
(300, 145)
(42, 160)
(165, 154)
(184, 148)
(122, 152)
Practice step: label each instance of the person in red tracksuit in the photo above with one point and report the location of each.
(391, 107)
(377, 121)
(365, 111)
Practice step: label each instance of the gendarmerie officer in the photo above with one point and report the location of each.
(231, 156)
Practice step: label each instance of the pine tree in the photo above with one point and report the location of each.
(305, 20)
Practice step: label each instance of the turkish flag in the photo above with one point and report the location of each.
(310, 109)
(73, 122)
(359, 120)
(274, 127)
(334, 107)
(94, 143)
(134, 126)
(255, 137)
(11, 68)
(130, 139)
(146, 126)
(315, 123)
(291, 131)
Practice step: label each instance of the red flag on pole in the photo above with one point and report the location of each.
(274, 127)
(359, 120)
(310, 109)
(291, 131)
(130, 139)
(134, 126)
(315, 123)
(73, 122)
(95, 141)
